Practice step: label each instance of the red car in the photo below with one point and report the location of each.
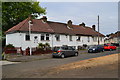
(109, 47)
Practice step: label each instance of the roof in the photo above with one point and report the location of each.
(53, 27)
(117, 34)
(38, 26)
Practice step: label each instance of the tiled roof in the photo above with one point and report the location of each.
(53, 27)
(38, 26)
(117, 34)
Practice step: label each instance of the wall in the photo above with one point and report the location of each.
(18, 40)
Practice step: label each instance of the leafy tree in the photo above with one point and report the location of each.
(15, 12)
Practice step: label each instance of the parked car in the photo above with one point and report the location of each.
(64, 51)
(96, 48)
(109, 47)
(115, 44)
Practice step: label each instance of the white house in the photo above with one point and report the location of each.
(54, 33)
(113, 38)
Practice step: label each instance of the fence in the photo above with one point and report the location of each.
(35, 50)
(13, 50)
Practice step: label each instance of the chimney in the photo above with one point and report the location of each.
(93, 27)
(82, 24)
(44, 18)
(30, 18)
(69, 24)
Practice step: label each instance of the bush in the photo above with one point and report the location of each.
(44, 46)
(47, 44)
(9, 46)
(41, 46)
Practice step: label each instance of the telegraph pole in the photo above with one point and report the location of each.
(29, 23)
(98, 31)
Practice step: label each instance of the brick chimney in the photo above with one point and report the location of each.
(82, 24)
(93, 27)
(69, 24)
(44, 18)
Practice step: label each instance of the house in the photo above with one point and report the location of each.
(54, 33)
(113, 38)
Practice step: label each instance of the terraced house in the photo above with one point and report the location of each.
(30, 32)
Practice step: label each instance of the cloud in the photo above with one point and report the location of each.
(84, 12)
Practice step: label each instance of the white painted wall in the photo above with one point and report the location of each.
(18, 40)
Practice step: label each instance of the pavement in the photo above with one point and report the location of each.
(15, 58)
(7, 62)
(21, 58)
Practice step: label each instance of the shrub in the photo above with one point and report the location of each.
(41, 46)
(44, 46)
(9, 46)
(47, 45)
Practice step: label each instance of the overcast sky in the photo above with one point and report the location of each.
(86, 12)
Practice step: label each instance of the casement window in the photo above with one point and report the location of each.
(42, 37)
(57, 37)
(88, 39)
(94, 39)
(78, 39)
(27, 37)
(101, 38)
(47, 36)
(70, 38)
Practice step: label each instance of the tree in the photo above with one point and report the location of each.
(15, 12)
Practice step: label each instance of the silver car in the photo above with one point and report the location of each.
(64, 51)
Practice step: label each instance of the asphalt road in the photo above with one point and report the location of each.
(40, 67)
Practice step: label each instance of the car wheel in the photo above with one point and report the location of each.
(76, 54)
(62, 56)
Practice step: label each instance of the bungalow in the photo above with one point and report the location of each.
(54, 33)
(113, 38)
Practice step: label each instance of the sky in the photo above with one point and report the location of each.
(86, 12)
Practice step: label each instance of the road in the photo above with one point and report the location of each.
(41, 67)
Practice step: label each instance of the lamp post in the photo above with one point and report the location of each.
(29, 23)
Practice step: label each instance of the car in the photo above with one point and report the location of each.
(64, 51)
(115, 44)
(109, 47)
(95, 49)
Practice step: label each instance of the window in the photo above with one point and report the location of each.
(47, 36)
(35, 39)
(70, 37)
(78, 39)
(88, 39)
(27, 37)
(42, 37)
(94, 39)
(57, 37)
(70, 48)
(101, 38)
